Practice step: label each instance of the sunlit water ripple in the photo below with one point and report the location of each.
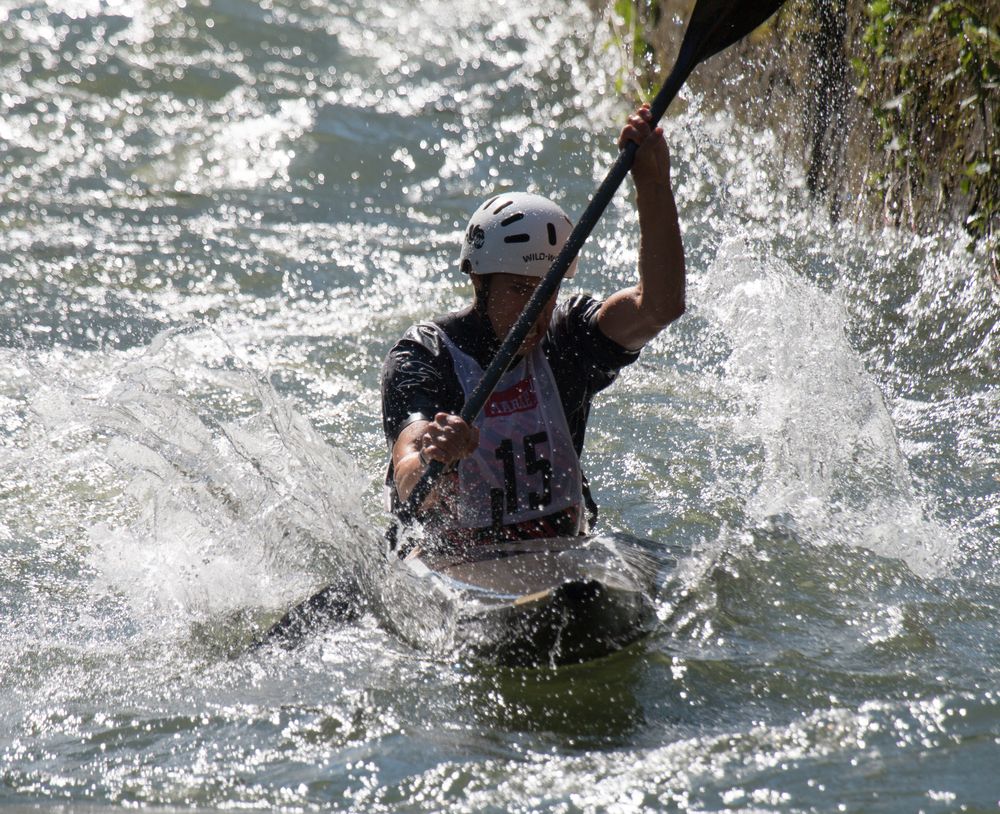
(215, 218)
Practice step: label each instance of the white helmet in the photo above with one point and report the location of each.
(515, 233)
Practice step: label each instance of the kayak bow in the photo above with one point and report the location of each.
(529, 603)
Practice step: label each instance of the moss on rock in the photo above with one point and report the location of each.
(890, 104)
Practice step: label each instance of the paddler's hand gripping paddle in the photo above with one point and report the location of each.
(714, 26)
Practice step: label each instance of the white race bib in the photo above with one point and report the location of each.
(525, 467)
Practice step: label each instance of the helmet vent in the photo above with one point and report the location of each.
(512, 219)
(552, 233)
(522, 238)
(502, 207)
(490, 202)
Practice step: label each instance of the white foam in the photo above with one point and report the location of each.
(215, 514)
(830, 458)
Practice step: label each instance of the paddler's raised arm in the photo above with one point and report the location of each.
(447, 439)
(633, 316)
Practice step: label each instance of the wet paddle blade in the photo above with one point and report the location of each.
(717, 24)
(713, 27)
(338, 602)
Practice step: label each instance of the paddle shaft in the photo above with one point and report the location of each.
(686, 61)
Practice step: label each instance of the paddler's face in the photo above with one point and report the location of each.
(509, 293)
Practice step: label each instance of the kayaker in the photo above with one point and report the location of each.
(516, 473)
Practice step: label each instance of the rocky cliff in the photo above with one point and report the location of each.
(891, 105)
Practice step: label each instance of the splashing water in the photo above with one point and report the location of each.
(214, 515)
(831, 465)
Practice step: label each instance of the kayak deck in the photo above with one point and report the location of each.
(528, 603)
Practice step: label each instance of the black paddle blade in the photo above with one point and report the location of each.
(717, 24)
(339, 602)
(713, 27)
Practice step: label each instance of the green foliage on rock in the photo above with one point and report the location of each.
(931, 80)
(910, 134)
(631, 21)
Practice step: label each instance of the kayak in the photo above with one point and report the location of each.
(528, 603)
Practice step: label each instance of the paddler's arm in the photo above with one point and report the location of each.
(633, 316)
(447, 439)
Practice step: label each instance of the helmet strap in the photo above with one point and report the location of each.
(481, 285)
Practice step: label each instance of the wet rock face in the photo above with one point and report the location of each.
(889, 104)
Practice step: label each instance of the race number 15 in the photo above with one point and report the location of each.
(535, 463)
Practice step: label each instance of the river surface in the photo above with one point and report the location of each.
(215, 219)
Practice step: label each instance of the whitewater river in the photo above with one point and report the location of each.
(215, 219)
